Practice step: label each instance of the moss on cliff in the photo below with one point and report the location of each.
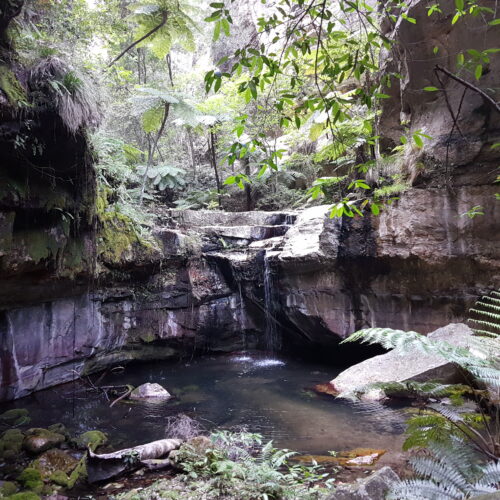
(11, 87)
(118, 237)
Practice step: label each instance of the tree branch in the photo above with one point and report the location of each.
(147, 35)
(469, 85)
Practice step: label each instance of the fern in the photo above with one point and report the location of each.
(464, 447)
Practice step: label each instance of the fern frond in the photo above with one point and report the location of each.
(491, 476)
(459, 455)
(488, 375)
(421, 489)
(439, 472)
(485, 323)
(487, 313)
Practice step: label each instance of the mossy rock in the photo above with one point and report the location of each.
(7, 488)
(25, 495)
(60, 478)
(90, 439)
(11, 444)
(17, 416)
(31, 479)
(11, 87)
(39, 440)
(52, 461)
(79, 473)
(59, 429)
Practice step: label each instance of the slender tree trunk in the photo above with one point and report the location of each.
(190, 142)
(248, 189)
(152, 150)
(213, 161)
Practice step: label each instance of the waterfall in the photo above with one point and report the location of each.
(272, 336)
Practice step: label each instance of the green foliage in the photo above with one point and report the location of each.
(164, 176)
(175, 26)
(199, 199)
(237, 462)
(54, 83)
(11, 87)
(453, 472)
(464, 446)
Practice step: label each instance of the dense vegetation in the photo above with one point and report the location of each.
(290, 116)
(185, 110)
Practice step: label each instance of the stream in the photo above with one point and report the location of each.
(269, 395)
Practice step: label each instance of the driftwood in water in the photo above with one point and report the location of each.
(109, 465)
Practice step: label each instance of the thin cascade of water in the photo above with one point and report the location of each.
(272, 337)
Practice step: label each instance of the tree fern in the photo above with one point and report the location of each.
(464, 448)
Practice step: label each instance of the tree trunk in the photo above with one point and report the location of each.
(213, 161)
(152, 150)
(192, 153)
(108, 465)
(248, 189)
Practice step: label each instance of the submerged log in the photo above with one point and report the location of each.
(101, 467)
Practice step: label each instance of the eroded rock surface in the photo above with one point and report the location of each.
(403, 366)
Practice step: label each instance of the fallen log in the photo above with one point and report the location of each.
(101, 467)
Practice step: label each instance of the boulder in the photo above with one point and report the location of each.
(398, 366)
(373, 487)
(11, 444)
(90, 439)
(40, 440)
(52, 461)
(150, 391)
(313, 239)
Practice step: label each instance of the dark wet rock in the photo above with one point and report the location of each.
(150, 391)
(38, 440)
(374, 487)
(90, 439)
(52, 461)
(399, 366)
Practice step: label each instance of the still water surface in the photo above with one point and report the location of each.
(270, 396)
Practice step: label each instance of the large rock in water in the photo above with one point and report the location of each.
(150, 391)
(398, 366)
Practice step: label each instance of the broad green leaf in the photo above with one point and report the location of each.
(418, 140)
(217, 31)
(478, 72)
(152, 118)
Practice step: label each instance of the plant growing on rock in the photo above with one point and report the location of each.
(461, 451)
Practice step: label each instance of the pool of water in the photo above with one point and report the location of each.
(268, 395)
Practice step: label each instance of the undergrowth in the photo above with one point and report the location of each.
(236, 466)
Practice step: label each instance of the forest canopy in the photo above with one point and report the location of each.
(199, 100)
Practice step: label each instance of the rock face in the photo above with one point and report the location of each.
(150, 391)
(374, 487)
(83, 298)
(398, 366)
(206, 289)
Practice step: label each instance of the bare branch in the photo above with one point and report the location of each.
(469, 85)
(137, 42)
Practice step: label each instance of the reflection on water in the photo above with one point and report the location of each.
(269, 396)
